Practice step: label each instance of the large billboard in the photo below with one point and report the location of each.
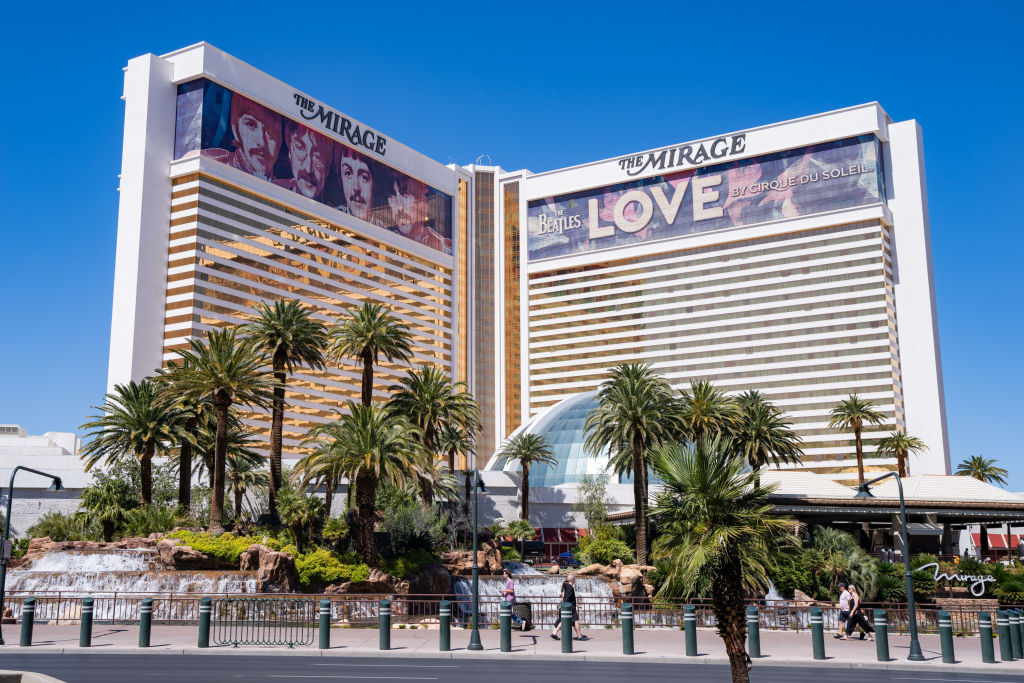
(230, 128)
(799, 182)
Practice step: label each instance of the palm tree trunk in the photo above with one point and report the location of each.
(901, 464)
(146, 475)
(239, 493)
(727, 603)
(185, 472)
(366, 494)
(640, 502)
(220, 406)
(525, 514)
(299, 538)
(108, 530)
(451, 460)
(367, 377)
(276, 434)
(329, 487)
(860, 455)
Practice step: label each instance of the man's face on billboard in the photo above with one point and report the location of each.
(258, 135)
(309, 156)
(357, 184)
(409, 209)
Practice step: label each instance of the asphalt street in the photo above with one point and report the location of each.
(161, 668)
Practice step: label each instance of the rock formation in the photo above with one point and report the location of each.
(275, 571)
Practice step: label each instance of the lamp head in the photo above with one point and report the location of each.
(864, 491)
(57, 485)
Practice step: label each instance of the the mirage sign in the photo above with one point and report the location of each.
(799, 182)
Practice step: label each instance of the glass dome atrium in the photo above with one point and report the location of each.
(562, 425)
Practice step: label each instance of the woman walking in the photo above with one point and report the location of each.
(857, 617)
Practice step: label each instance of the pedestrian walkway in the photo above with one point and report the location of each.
(651, 645)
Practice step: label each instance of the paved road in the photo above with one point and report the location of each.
(156, 668)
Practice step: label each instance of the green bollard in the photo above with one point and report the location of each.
(28, 617)
(145, 621)
(566, 615)
(385, 624)
(1020, 630)
(505, 623)
(988, 654)
(1014, 619)
(1003, 629)
(205, 608)
(85, 633)
(946, 637)
(817, 633)
(753, 632)
(881, 635)
(445, 616)
(690, 625)
(627, 628)
(325, 624)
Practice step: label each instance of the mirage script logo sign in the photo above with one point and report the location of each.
(333, 121)
(685, 156)
(977, 581)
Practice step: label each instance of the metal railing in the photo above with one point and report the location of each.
(361, 610)
(263, 621)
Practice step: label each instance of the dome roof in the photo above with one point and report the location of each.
(562, 425)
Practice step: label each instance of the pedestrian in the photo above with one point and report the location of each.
(844, 610)
(568, 594)
(509, 594)
(857, 618)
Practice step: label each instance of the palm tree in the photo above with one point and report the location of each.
(900, 445)
(367, 334)
(226, 370)
(299, 512)
(635, 412)
(326, 464)
(102, 504)
(528, 450)
(523, 531)
(852, 414)
(762, 435)
(983, 469)
(704, 409)
(136, 420)
(718, 533)
(378, 447)
(289, 334)
(244, 476)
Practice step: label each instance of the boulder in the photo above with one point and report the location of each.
(629, 574)
(591, 570)
(554, 569)
(460, 562)
(275, 571)
(176, 556)
(378, 582)
(432, 579)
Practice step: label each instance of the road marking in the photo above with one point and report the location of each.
(359, 678)
(949, 680)
(397, 666)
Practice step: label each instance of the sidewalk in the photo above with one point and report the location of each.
(650, 645)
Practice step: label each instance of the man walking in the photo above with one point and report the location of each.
(844, 610)
(568, 594)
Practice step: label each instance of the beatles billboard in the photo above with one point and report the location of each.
(232, 129)
(799, 182)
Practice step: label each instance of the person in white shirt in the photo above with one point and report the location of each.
(844, 610)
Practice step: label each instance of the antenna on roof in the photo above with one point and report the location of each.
(479, 158)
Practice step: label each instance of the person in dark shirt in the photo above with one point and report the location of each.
(568, 594)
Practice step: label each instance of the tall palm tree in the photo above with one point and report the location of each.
(379, 447)
(705, 409)
(226, 370)
(244, 476)
(762, 435)
(368, 333)
(102, 504)
(136, 421)
(901, 445)
(288, 333)
(635, 411)
(718, 534)
(429, 399)
(852, 414)
(983, 469)
(528, 450)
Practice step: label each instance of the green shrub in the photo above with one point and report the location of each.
(891, 588)
(789, 576)
(153, 519)
(410, 563)
(323, 566)
(227, 547)
(58, 526)
(604, 551)
(509, 554)
(1010, 590)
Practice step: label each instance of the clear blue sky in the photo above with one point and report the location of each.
(540, 87)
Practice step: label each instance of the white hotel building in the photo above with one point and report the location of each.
(792, 258)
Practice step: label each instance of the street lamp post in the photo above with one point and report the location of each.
(56, 486)
(474, 636)
(864, 491)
